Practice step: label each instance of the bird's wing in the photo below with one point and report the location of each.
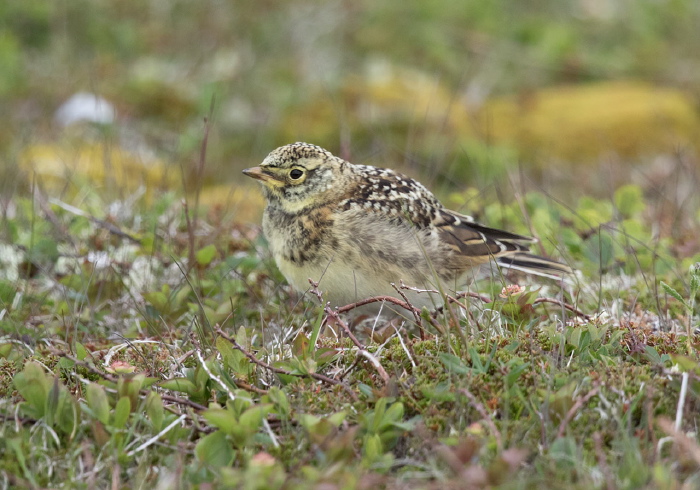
(477, 244)
(402, 199)
(474, 242)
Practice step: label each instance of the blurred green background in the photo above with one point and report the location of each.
(573, 98)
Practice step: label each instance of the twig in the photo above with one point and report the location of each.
(51, 216)
(334, 315)
(112, 228)
(460, 294)
(248, 387)
(376, 299)
(17, 419)
(263, 364)
(569, 307)
(183, 401)
(388, 299)
(375, 362)
(315, 291)
(469, 294)
(350, 368)
(414, 310)
(575, 408)
(361, 348)
(452, 300)
(480, 408)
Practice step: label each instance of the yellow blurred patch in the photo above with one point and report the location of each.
(577, 123)
(247, 203)
(386, 96)
(389, 95)
(105, 167)
(585, 122)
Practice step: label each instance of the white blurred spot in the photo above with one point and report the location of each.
(85, 107)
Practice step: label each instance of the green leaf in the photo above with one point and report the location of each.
(599, 249)
(694, 278)
(477, 365)
(673, 293)
(52, 402)
(393, 414)
(131, 386)
(183, 385)
(65, 363)
(316, 331)
(253, 417)
(205, 255)
(154, 409)
(279, 398)
(629, 200)
(242, 337)
(515, 372)
(5, 350)
(121, 412)
(33, 384)
(375, 416)
(239, 405)
(337, 418)
(226, 350)
(652, 354)
(685, 364)
(309, 421)
(98, 402)
(222, 419)
(215, 450)
(158, 299)
(319, 428)
(563, 451)
(8, 290)
(80, 351)
(453, 363)
(233, 358)
(372, 449)
(366, 390)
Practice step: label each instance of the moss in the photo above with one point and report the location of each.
(583, 123)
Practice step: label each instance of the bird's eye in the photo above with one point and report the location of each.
(296, 174)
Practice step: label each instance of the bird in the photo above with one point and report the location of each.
(358, 231)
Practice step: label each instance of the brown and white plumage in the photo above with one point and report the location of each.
(356, 229)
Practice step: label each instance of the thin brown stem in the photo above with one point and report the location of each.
(484, 413)
(569, 307)
(362, 349)
(264, 365)
(336, 318)
(580, 402)
(388, 299)
(414, 310)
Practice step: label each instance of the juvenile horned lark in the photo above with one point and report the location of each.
(355, 229)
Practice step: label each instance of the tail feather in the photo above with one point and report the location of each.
(534, 264)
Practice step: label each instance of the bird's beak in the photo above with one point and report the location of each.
(258, 174)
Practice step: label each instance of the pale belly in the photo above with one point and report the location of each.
(342, 284)
(360, 257)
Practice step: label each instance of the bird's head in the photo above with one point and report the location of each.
(299, 176)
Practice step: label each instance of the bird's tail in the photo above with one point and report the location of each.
(534, 264)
